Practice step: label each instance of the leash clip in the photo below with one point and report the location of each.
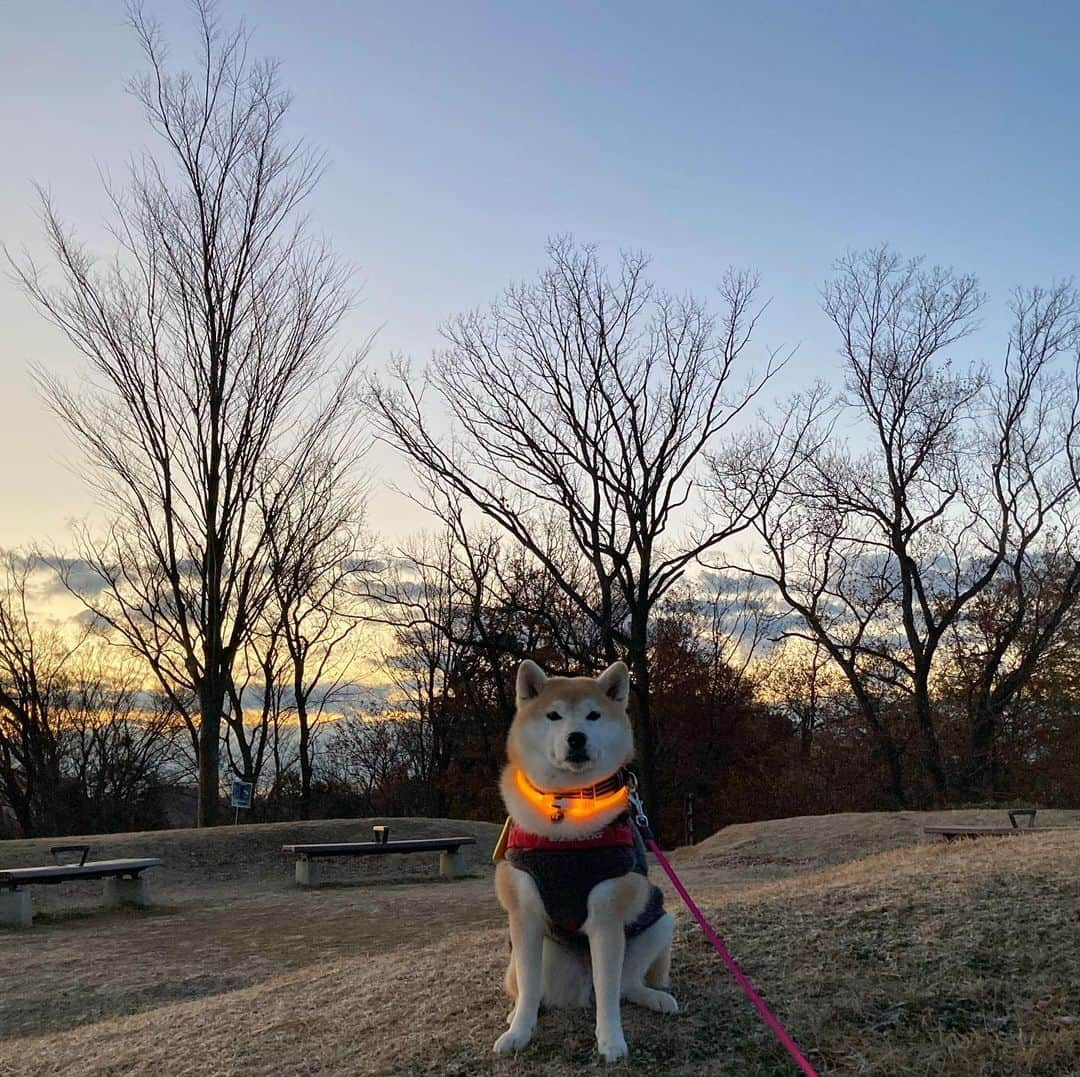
(640, 818)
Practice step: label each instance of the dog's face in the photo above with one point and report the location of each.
(570, 732)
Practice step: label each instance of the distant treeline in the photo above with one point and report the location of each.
(752, 728)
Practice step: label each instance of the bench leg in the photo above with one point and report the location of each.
(306, 871)
(15, 908)
(451, 864)
(126, 892)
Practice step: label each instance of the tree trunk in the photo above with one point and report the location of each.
(24, 816)
(806, 737)
(980, 771)
(211, 705)
(890, 754)
(305, 760)
(932, 760)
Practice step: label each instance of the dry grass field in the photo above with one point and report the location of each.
(883, 953)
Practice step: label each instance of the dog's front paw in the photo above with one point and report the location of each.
(612, 1048)
(513, 1039)
(661, 1002)
(652, 999)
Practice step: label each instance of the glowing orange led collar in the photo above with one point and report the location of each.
(559, 806)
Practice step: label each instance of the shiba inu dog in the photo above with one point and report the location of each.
(585, 922)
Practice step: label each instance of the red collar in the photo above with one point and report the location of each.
(615, 835)
(577, 804)
(590, 792)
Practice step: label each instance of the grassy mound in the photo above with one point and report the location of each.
(819, 840)
(958, 960)
(252, 852)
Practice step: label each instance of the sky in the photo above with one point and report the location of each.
(461, 136)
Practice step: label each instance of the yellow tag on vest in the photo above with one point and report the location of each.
(500, 845)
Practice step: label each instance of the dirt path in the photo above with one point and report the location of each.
(91, 966)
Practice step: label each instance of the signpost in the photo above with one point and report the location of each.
(241, 797)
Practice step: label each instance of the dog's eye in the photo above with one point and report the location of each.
(592, 716)
(554, 716)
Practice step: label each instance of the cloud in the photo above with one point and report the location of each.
(81, 576)
(335, 700)
(366, 565)
(90, 619)
(733, 584)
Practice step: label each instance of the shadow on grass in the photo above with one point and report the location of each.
(103, 915)
(369, 884)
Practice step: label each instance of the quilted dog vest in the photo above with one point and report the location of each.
(566, 871)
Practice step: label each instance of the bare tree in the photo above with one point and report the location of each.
(948, 481)
(735, 620)
(588, 400)
(295, 660)
(319, 564)
(210, 375)
(1037, 413)
(371, 756)
(246, 741)
(814, 555)
(81, 744)
(432, 599)
(802, 680)
(32, 660)
(120, 741)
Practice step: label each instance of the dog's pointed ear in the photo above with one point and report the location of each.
(530, 680)
(615, 682)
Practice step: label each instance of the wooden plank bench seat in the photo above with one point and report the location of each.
(124, 884)
(950, 832)
(450, 863)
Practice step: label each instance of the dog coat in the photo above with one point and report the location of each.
(566, 871)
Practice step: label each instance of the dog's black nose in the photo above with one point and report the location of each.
(576, 740)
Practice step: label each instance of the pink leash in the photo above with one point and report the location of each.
(743, 980)
(769, 1017)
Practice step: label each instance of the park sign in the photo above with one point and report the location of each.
(241, 794)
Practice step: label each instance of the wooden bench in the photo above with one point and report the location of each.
(951, 832)
(450, 862)
(124, 884)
